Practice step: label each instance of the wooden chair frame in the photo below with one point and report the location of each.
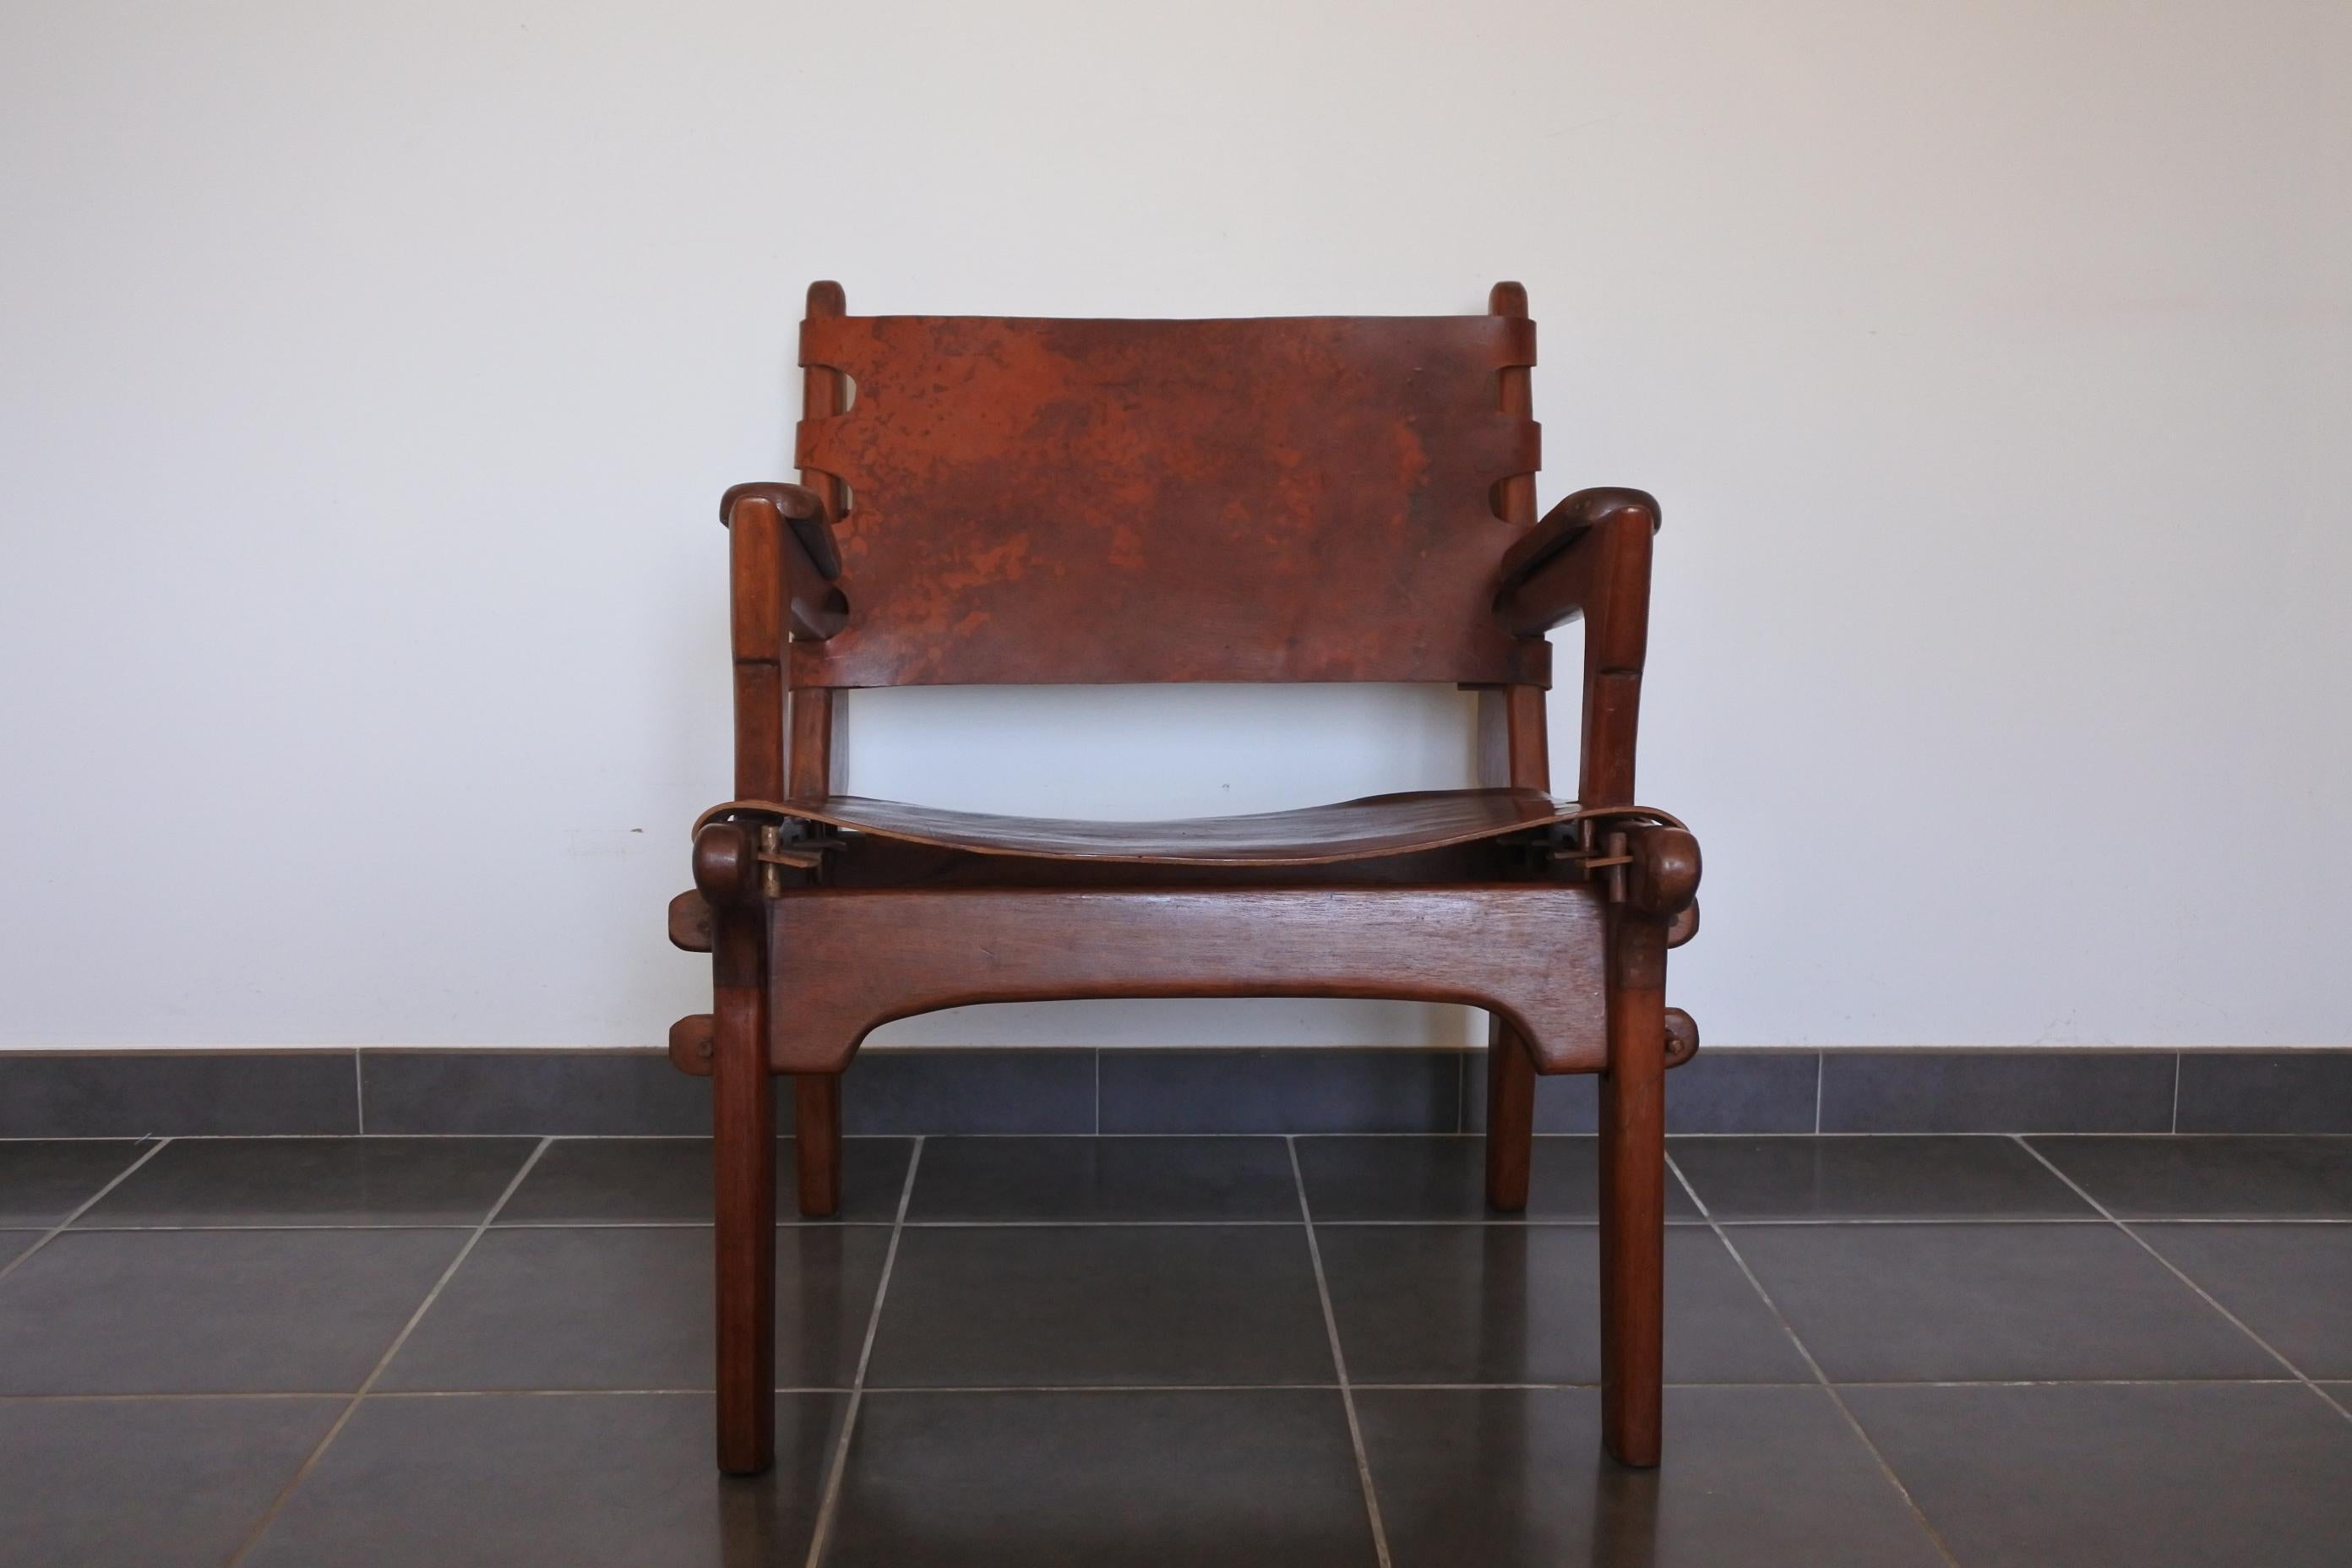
(1560, 930)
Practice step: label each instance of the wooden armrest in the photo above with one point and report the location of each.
(1587, 556)
(1591, 556)
(782, 529)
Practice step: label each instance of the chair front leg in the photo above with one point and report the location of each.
(1633, 1192)
(743, 1164)
(743, 1151)
(1659, 881)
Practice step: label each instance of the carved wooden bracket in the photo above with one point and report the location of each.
(692, 1040)
(1682, 1037)
(689, 923)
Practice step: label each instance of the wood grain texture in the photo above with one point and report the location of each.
(756, 632)
(1296, 500)
(853, 960)
(817, 1142)
(815, 719)
(1510, 1117)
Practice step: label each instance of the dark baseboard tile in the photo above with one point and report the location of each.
(98, 1093)
(538, 1092)
(971, 1090)
(1279, 1091)
(2265, 1091)
(574, 1093)
(1753, 1090)
(2030, 1089)
(171, 1093)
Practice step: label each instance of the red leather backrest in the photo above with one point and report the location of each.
(1291, 500)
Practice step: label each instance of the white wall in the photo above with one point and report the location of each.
(369, 374)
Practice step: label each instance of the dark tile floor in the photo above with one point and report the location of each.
(1965, 1349)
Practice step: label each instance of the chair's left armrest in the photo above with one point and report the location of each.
(781, 565)
(1589, 556)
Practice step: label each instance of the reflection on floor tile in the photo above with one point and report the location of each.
(1860, 1177)
(631, 1308)
(1445, 1178)
(2090, 1476)
(1042, 1306)
(1966, 1302)
(583, 1480)
(2292, 1284)
(2236, 1178)
(626, 1180)
(1105, 1179)
(314, 1181)
(1758, 1477)
(44, 1180)
(1505, 1304)
(157, 1482)
(1190, 1479)
(213, 1312)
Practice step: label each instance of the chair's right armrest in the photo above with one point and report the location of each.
(1589, 556)
(784, 561)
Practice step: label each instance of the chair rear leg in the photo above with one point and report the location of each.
(1510, 1117)
(1634, 1193)
(744, 1162)
(816, 1138)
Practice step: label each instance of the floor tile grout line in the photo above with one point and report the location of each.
(2073, 1382)
(2179, 1273)
(1339, 1362)
(2175, 1128)
(683, 1225)
(678, 1137)
(466, 1250)
(87, 1205)
(1821, 1086)
(274, 1226)
(961, 1390)
(359, 1094)
(1820, 1377)
(1789, 1222)
(829, 1500)
(1422, 1221)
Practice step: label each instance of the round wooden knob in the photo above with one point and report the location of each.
(1684, 926)
(727, 864)
(1682, 1037)
(1664, 876)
